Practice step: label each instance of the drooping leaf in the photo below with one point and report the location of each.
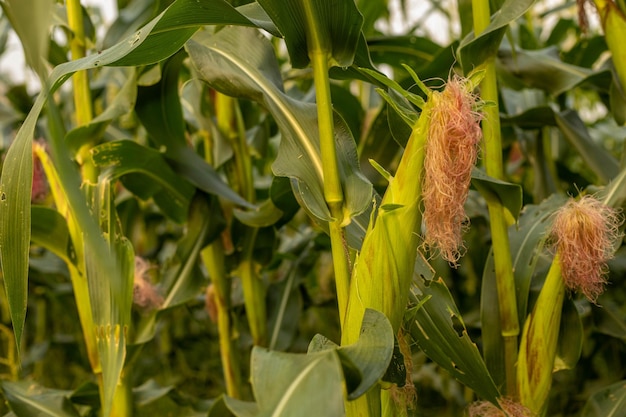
(544, 70)
(599, 160)
(265, 215)
(31, 21)
(240, 62)
(176, 25)
(509, 194)
(159, 109)
(149, 391)
(369, 356)
(339, 24)
(473, 50)
(28, 399)
(437, 326)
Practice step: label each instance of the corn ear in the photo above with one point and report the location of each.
(539, 342)
(382, 274)
(613, 20)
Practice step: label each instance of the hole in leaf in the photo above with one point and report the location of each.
(457, 325)
(3, 197)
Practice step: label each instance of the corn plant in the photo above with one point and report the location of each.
(277, 208)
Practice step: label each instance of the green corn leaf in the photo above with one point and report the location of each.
(301, 384)
(437, 326)
(240, 62)
(176, 25)
(340, 25)
(28, 399)
(599, 160)
(608, 402)
(49, 229)
(159, 109)
(127, 157)
(31, 21)
(509, 194)
(265, 215)
(366, 361)
(614, 194)
(544, 70)
(473, 50)
(15, 228)
(122, 104)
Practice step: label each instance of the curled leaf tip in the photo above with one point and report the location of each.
(584, 233)
(454, 136)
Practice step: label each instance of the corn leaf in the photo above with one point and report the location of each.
(366, 361)
(608, 402)
(240, 62)
(28, 399)
(160, 111)
(49, 229)
(544, 70)
(127, 157)
(473, 50)
(301, 385)
(509, 194)
(31, 21)
(340, 23)
(599, 160)
(437, 326)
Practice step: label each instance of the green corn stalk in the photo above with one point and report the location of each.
(80, 81)
(383, 271)
(507, 300)
(230, 124)
(613, 19)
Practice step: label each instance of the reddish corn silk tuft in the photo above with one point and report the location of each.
(584, 233)
(145, 295)
(509, 408)
(451, 151)
(40, 188)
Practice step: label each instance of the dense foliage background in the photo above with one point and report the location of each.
(190, 170)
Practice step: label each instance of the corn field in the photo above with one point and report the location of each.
(231, 208)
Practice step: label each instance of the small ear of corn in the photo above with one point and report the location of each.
(539, 342)
(613, 20)
(584, 233)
